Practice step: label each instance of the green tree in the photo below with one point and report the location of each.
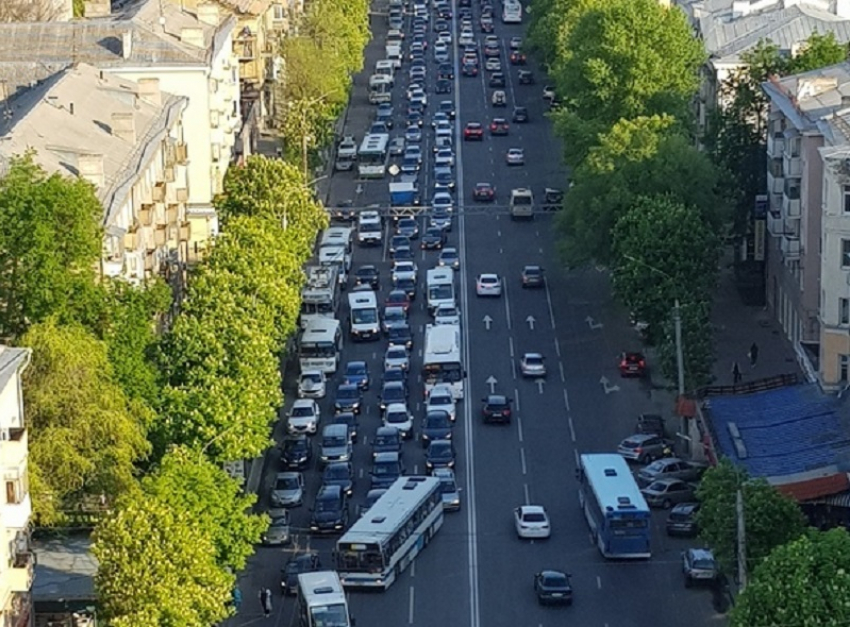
(804, 583)
(819, 51)
(186, 481)
(770, 518)
(156, 567)
(85, 434)
(629, 58)
(50, 243)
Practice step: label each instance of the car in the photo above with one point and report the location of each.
(443, 86)
(483, 192)
(515, 43)
(670, 468)
(400, 335)
(398, 298)
(396, 357)
(520, 115)
(532, 365)
(392, 392)
(349, 419)
(385, 114)
(470, 69)
(497, 79)
(441, 398)
(666, 493)
(303, 416)
(532, 276)
(632, 364)
(517, 58)
(296, 451)
(681, 521)
(288, 490)
(441, 218)
(444, 158)
(348, 398)
(404, 270)
(491, 50)
(525, 77)
(297, 565)
(443, 179)
(499, 126)
(343, 211)
(416, 73)
(553, 587)
(447, 314)
(372, 497)
(406, 285)
(386, 468)
(447, 107)
(413, 133)
(449, 491)
(408, 227)
(378, 128)
(386, 439)
(486, 24)
(312, 384)
(532, 522)
(436, 425)
(339, 474)
(439, 117)
(515, 156)
(368, 275)
(398, 241)
(439, 454)
(488, 285)
(497, 408)
(548, 93)
(413, 151)
(441, 26)
(699, 567)
(278, 531)
(336, 444)
(643, 447)
(444, 38)
(493, 64)
(441, 52)
(396, 146)
(444, 141)
(433, 239)
(499, 99)
(357, 373)
(410, 165)
(442, 201)
(446, 71)
(449, 258)
(402, 254)
(397, 415)
(650, 423)
(392, 315)
(330, 510)
(418, 98)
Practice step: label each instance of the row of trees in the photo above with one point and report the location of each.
(643, 201)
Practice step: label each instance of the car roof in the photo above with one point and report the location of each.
(346, 387)
(400, 407)
(387, 430)
(329, 492)
(489, 275)
(641, 437)
(685, 508)
(356, 364)
(697, 553)
(441, 389)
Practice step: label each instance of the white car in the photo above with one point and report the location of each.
(532, 521)
(445, 37)
(404, 270)
(397, 146)
(441, 398)
(488, 285)
(312, 384)
(303, 417)
(444, 157)
(449, 258)
(396, 415)
(493, 64)
(418, 97)
(443, 200)
(532, 365)
(288, 490)
(442, 142)
(396, 357)
(515, 156)
(447, 314)
(444, 129)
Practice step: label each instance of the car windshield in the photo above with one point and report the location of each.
(397, 417)
(287, 483)
(386, 440)
(555, 581)
(296, 446)
(356, 369)
(656, 466)
(385, 469)
(440, 449)
(447, 486)
(347, 393)
(311, 378)
(333, 441)
(437, 420)
(302, 412)
(704, 564)
(396, 352)
(337, 471)
(658, 486)
(440, 400)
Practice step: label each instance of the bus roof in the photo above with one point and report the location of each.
(320, 277)
(320, 330)
(321, 588)
(390, 511)
(362, 299)
(612, 482)
(374, 143)
(336, 236)
(440, 275)
(442, 340)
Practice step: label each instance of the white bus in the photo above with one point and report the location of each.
(337, 236)
(321, 600)
(512, 12)
(380, 545)
(440, 288)
(364, 323)
(320, 345)
(372, 156)
(441, 361)
(320, 294)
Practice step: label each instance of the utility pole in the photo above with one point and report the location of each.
(680, 356)
(742, 540)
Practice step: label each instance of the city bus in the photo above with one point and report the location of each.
(441, 361)
(372, 156)
(616, 512)
(321, 600)
(512, 12)
(320, 294)
(381, 544)
(320, 345)
(439, 288)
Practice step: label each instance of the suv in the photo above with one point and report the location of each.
(330, 510)
(643, 448)
(336, 444)
(304, 416)
(522, 204)
(386, 440)
(698, 566)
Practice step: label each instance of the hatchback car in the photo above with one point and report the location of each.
(553, 587)
(349, 419)
(447, 107)
(497, 408)
(278, 531)
(532, 522)
(434, 238)
(436, 425)
(303, 417)
(444, 180)
(339, 474)
(439, 454)
(330, 510)
(488, 285)
(312, 384)
(397, 415)
(447, 314)
(297, 565)
(469, 69)
(443, 86)
(413, 133)
(441, 218)
(515, 156)
(336, 444)
(449, 490)
(517, 58)
(399, 241)
(643, 447)
(288, 490)
(499, 99)
(525, 77)
(473, 131)
(357, 373)
(368, 275)
(532, 276)
(666, 493)
(493, 64)
(441, 398)
(400, 335)
(497, 79)
(396, 357)
(483, 192)
(296, 451)
(699, 567)
(499, 126)
(632, 364)
(386, 468)
(532, 365)
(391, 316)
(348, 398)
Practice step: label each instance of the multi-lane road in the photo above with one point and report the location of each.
(476, 573)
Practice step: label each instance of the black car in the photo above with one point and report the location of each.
(304, 563)
(437, 425)
(553, 586)
(497, 79)
(447, 107)
(348, 419)
(339, 474)
(330, 510)
(396, 375)
(526, 77)
(497, 408)
(469, 69)
(297, 451)
(368, 275)
(446, 71)
(443, 86)
(393, 392)
(681, 521)
(386, 440)
(348, 398)
(414, 118)
(406, 285)
(401, 335)
(344, 211)
(386, 468)
(440, 454)
(434, 238)
(520, 115)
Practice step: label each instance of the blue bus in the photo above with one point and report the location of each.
(616, 511)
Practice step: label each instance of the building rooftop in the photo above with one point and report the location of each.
(64, 570)
(11, 361)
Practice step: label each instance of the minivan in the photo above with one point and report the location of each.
(386, 440)
(336, 444)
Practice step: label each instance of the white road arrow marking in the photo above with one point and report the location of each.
(491, 381)
(540, 384)
(487, 322)
(593, 324)
(530, 320)
(607, 387)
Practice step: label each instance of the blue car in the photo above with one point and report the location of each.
(357, 373)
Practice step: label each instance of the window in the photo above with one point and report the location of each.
(844, 311)
(846, 198)
(845, 253)
(279, 12)
(844, 368)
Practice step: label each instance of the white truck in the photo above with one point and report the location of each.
(346, 153)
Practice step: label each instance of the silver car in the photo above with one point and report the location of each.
(670, 468)
(288, 490)
(303, 417)
(668, 492)
(643, 447)
(312, 384)
(532, 365)
(396, 357)
(448, 489)
(278, 532)
(447, 314)
(449, 258)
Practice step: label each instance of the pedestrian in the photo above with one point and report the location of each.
(237, 598)
(754, 354)
(736, 373)
(266, 601)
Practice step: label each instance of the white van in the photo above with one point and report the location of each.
(439, 288)
(370, 230)
(363, 319)
(385, 67)
(394, 54)
(522, 204)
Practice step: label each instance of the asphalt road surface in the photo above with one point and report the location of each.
(477, 572)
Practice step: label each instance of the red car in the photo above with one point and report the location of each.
(473, 131)
(483, 192)
(499, 126)
(398, 298)
(632, 364)
(517, 58)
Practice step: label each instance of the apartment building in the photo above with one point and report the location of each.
(128, 140)
(808, 251)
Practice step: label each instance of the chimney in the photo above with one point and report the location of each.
(208, 13)
(124, 126)
(192, 36)
(149, 90)
(126, 44)
(97, 8)
(90, 167)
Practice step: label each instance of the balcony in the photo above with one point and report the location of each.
(16, 515)
(775, 181)
(792, 165)
(790, 207)
(20, 576)
(790, 246)
(775, 224)
(13, 450)
(775, 145)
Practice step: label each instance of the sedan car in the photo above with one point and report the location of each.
(532, 522)
(278, 531)
(288, 490)
(386, 468)
(493, 64)
(413, 133)
(520, 115)
(340, 474)
(497, 408)
(397, 415)
(632, 364)
(441, 219)
(532, 365)
(517, 58)
(434, 238)
(444, 158)
(515, 43)
(488, 285)
(447, 107)
(447, 314)
(400, 335)
(473, 131)
(442, 201)
(439, 454)
(553, 586)
(499, 126)
(303, 417)
(367, 275)
(435, 426)
(443, 86)
(349, 419)
(449, 258)
(312, 384)
(404, 270)
(298, 564)
(357, 373)
(398, 241)
(668, 492)
(670, 468)
(470, 69)
(392, 392)
(515, 156)
(443, 179)
(296, 451)
(449, 490)
(348, 398)
(483, 192)
(396, 357)
(398, 298)
(441, 398)
(532, 276)
(681, 521)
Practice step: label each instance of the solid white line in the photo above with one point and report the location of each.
(519, 428)
(566, 400)
(511, 346)
(410, 611)
(525, 491)
(572, 429)
(549, 303)
(599, 582)
(561, 368)
(522, 461)
(507, 303)
(516, 398)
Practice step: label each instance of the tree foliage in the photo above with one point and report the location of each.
(804, 583)
(85, 434)
(771, 519)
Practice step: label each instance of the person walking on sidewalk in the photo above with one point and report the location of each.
(736, 373)
(266, 601)
(753, 354)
